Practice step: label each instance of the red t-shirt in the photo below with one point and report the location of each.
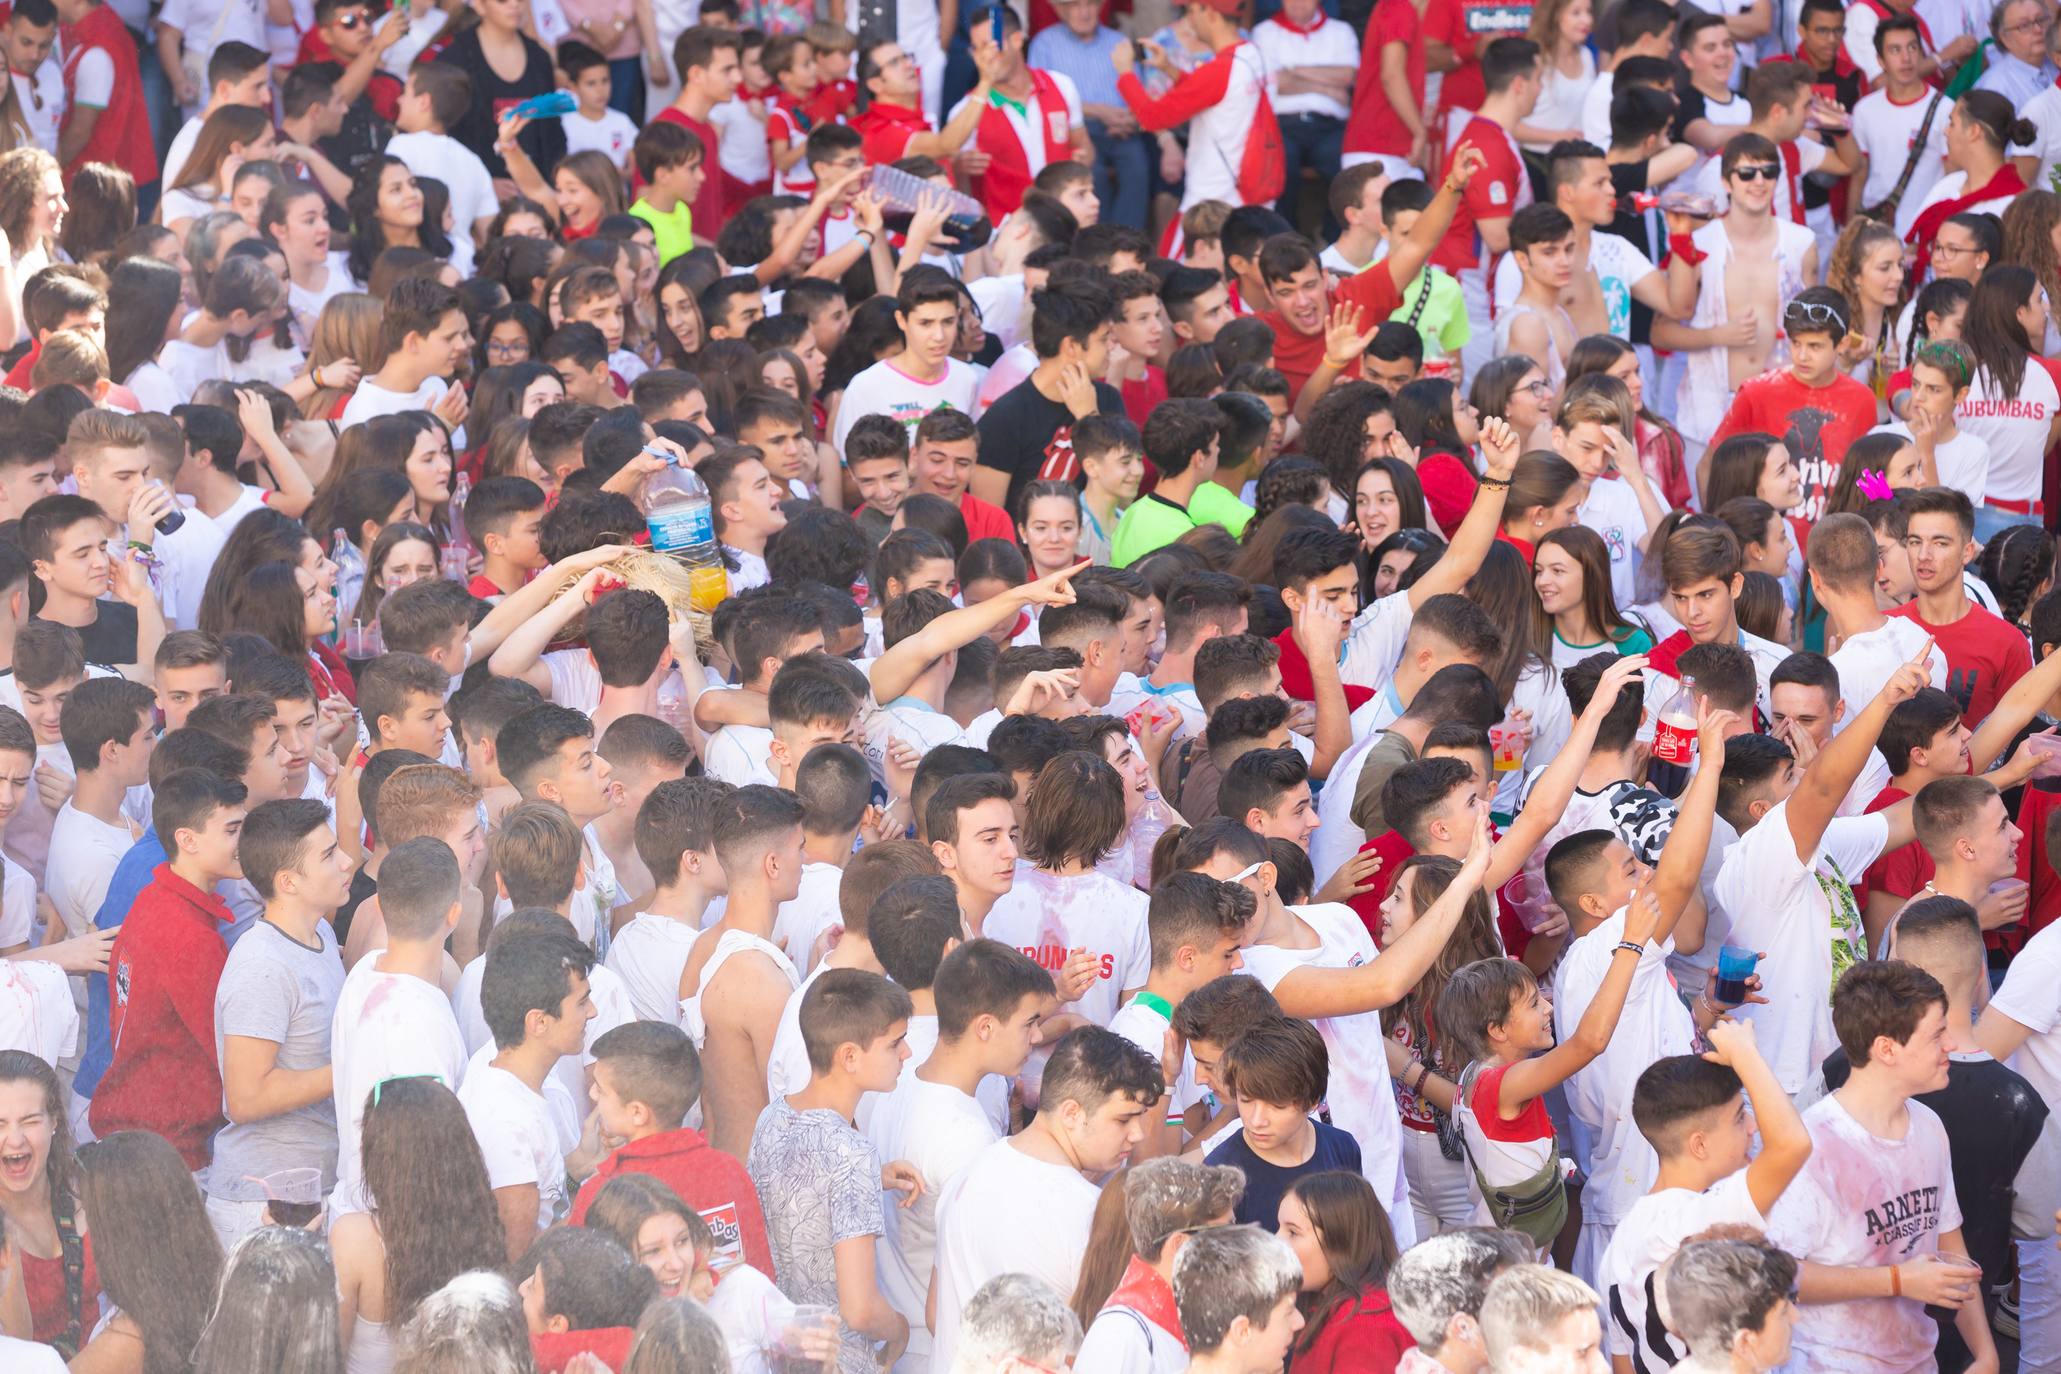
(1393, 849)
(1362, 1337)
(161, 978)
(831, 100)
(709, 1180)
(1901, 872)
(2044, 902)
(886, 130)
(1297, 355)
(1499, 190)
(985, 519)
(1815, 423)
(1373, 126)
(1984, 657)
(709, 208)
(1144, 394)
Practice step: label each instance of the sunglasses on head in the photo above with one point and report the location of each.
(1757, 171)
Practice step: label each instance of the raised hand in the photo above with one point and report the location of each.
(1641, 916)
(1354, 878)
(1479, 847)
(1499, 445)
(1073, 979)
(1714, 725)
(1054, 588)
(1613, 680)
(1469, 160)
(1731, 1042)
(1344, 339)
(1319, 629)
(1041, 689)
(1911, 678)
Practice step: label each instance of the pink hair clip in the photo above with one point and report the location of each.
(1875, 485)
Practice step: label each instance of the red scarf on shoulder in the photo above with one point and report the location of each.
(2006, 182)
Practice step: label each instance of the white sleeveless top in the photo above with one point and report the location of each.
(1706, 391)
(1556, 366)
(729, 943)
(372, 1348)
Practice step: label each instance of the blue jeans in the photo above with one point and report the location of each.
(1991, 521)
(1123, 174)
(626, 87)
(1314, 141)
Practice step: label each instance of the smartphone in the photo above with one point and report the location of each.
(995, 24)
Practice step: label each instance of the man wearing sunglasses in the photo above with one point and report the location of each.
(1738, 269)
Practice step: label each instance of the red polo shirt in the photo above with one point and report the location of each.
(710, 207)
(709, 1180)
(985, 519)
(161, 977)
(887, 129)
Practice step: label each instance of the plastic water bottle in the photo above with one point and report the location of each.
(1674, 734)
(350, 570)
(682, 524)
(458, 550)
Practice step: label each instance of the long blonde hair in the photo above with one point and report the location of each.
(1545, 25)
(1861, 237)
(2029, 240)
(348, 327)
(21, 186)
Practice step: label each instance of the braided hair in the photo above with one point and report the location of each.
(2016, 565)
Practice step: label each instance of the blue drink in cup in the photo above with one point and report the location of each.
(1735, 966)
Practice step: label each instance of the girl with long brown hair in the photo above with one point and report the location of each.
(229, 137)
(1571, 573)
(1867, 268)
(1335, 1225)
(1441, 1188)
(157, 1253)
(2032, 238)
(1659, 443)
(432, 1216)
(40, 1200)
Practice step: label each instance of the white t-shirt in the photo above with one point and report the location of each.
(1654, 1023)
(1007, 1213)
(93, 79)
(1146, 1027)
(1595, 112)
(458, 167)
(1865, 1201)
(1612, 511)
(1618, 265)
(18, 921)
(30, 1357)
(913, 721)
(42, 102)
(612, 134)
(2044, 110)
(1647, 1236)
(388, 1025)
(1776, 903)
(2031, 996)
(1132, 691)
(940, 1131)
(751, 569)
(812, 910)
(741, 141)
(371, 400)
(1045, 916)
(38, 1013)
(1868, 660)
(575, 681)
(787, 1063)
(649, 953)
(518, 1136)
(83, 853)
(884, 389)
(1331, 43)
(1886, 130)
(741, 754)
(306, 303)
(187, 555)
(1963, 461)
(1362, 1096)
(2014, 427)
(181, 149)
(155, 390)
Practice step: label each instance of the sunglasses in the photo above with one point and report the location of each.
(379, 1088)
(1757, 171)
(1817, 313)
(353, 21)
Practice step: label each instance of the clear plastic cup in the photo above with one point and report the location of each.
(293, 1197)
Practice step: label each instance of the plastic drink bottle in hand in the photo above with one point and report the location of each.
(902, 194)
(1674, 734)
(682, 524)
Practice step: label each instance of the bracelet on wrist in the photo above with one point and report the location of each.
(1496, 483)
(1629, 945)
(1335, 365)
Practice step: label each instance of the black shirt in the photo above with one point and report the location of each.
(1265, 1183)
(110, 640)
(543, 140)
(363, 887)
(1696, 105)
(1029, 436)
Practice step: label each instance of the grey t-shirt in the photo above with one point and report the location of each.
(275, 988)
(819, 1183)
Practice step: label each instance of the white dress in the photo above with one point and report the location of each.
(1560, 98)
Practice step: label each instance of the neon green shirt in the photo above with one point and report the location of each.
(1152, 522)
(673, 229)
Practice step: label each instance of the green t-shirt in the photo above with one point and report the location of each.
(1152, 522)
(674, 229)
(1444, 321)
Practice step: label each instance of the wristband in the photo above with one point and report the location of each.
(1896, 1281)
(1683, 247)
(1335, 365)
(1627, 944)
(315, 375)
(1495, 483)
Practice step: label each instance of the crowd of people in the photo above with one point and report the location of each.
(965, 689)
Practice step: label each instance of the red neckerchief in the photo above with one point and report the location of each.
(1143, 1291)
(554, 1350)
(1297, 682)
(1281, 18)
(1665, 656)
(2006, 182)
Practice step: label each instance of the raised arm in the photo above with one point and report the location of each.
(1462, 558)
(1785, 1144)
(1528, 1078)
(531, 599)
(1389, 976)
(1676, 876)
(1555, 787)
(294, 492)
(1407, 255)
(1319, 630)
(895, 671)
(1831, 774)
